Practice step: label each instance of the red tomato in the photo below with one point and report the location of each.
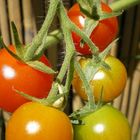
(112, 81)
(107, 123)
(34, 121)
(102, 35)
(16, 75)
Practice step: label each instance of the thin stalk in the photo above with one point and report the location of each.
(123, 4)
(69, 54)
(51, 39)
(86, 84)
(37, 41)
(79, 32)
(70, 75)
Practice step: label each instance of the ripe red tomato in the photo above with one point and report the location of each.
(113, 81)
(34, 121)
(16, 75)
(102, 35)
(107, 123)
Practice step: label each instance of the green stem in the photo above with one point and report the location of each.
(51, 39)
(79, 32)
(70, 75)
(115, 6)
(69, 54)
(123, 4)
(37, 41)
(86, 84)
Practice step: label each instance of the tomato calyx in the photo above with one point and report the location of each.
(20, 50)
(76, 115)
(93, 14)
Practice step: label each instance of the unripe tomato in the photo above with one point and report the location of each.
(107, 123)
(16, 75)
(102, 35)
(34, 121)
(112, 81)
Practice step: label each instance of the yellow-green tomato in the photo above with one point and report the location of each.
(107, 123)
(112, 81)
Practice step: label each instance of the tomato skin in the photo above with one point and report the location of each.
(113, 81)
(34, 121)
(107, 123)
(16, 75)
(103, 34)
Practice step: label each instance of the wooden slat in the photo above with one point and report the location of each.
(15, 15)
(134, 67)
(28, 20)
(136, 123)
(124, 46)
(138, 136)
(4, 22)
(134, 94)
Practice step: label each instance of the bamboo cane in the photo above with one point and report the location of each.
(14, 11)
(29, 21)
(4, 22)
(134, 95)
(134, 68)
(136, 123)
(125, 49)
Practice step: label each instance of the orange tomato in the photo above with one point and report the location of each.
(34, 121)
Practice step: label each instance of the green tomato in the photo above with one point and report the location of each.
(107, 123)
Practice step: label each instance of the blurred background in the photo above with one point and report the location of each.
(29, 15)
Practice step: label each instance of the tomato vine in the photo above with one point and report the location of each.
(30, 54)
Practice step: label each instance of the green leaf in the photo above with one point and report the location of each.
(90, 69)
(40, 66)
(90, 25)
(107, 50)
(1, 43)
(100, 101)
(9, 51)
(85, 7)
(27, 96)
(137, 57)
(105, 65)
(104, 15)
(18, 44)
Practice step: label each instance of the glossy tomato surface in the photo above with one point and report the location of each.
(34, 121)
(16, 75)
(102, 35)
(112, 81)
(107, 123)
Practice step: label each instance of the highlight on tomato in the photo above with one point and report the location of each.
(107, 123)
(16, 75)
(112, 81)
(102, 35)
(35, 121)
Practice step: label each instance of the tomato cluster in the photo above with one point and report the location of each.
(37, 121)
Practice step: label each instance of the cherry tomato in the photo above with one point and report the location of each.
(112, 81)
(16, 75)
(102, 35)
(107, 123)
(34, 121)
